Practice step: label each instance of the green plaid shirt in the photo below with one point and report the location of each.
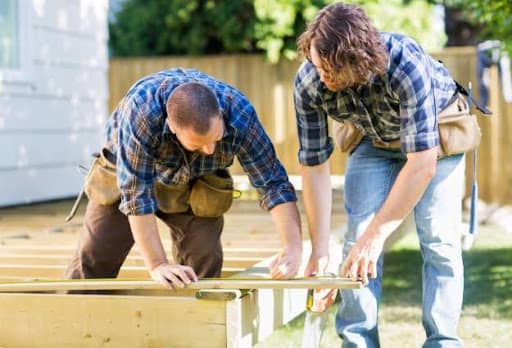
(400, 104)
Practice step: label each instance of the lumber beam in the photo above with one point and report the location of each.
(91, 321)
(57, 271)
(241, 262)
(260, 251)
(205, 283)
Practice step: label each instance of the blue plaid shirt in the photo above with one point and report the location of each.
(400, 104)
(147, 150)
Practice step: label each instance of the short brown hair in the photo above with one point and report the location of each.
(346, 41)
(193, 105)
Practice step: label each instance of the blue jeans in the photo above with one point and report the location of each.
(370, 175)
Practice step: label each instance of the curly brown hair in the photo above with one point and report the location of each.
(347, 43)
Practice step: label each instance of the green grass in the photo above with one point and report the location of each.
(487, 311)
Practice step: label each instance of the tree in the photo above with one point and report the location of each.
(192, 27)
(159, 27)
(468, 22)
(496, 18)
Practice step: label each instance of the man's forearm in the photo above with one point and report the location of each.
(145, 234)
(405, 193)
(287, 220)
(316, 188)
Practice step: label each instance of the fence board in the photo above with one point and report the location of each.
(270, 89)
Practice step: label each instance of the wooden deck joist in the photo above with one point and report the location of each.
(50, 259)
(52, 320)
(57, 271)
(258, 252)
(42, 321)
(230, 283)
(143, 318)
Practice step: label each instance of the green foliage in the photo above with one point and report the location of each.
(193, 27)
(496, 15)
(279, 24)
(416, 19)
(158, 27)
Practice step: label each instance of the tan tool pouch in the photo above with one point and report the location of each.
(172, 198)
(458, 131)
(101, 181)
(212, 194)
(346, 135)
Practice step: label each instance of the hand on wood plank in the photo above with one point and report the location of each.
(286, 264)
(173, 276)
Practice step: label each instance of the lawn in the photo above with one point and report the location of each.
(487, 313)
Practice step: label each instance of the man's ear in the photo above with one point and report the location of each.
(170, 125)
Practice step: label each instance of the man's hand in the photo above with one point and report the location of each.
(173, 276)
(362, 258)
(317, 264)
(321, 299)
(286, 264)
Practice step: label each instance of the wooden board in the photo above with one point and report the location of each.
(57, 271)
(42, 321)
(164, 320)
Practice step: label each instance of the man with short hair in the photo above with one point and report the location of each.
(390, 90)
(169, 141)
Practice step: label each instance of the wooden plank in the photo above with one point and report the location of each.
(494, 167)
(265, 310)
(41, 321)
(262, 311)
(229, 252)
(254, 245)
(205, 283)
(57, 271)
(42, 259)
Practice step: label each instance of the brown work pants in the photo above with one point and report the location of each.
(106, 240)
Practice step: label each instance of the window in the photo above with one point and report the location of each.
(14, 53)
(9, 35)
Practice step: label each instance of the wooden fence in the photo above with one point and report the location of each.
(270, 89)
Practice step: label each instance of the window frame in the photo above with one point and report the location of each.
(23, 72)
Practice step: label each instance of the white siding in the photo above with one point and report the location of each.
(52, 119)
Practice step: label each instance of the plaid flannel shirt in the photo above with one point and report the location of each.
(400, 104)
(146, 149)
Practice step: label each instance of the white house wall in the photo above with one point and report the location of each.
(52, 119)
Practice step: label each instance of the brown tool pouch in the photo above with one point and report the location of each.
(172, 198)
(458, 131)
(458, 128)
(346, 135)
(101, 181)
(209, 196)
(212, 194)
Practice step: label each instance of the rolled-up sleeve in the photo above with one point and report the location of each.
(315, 144)
(412, 79)
(135, 162)
(259, 161)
